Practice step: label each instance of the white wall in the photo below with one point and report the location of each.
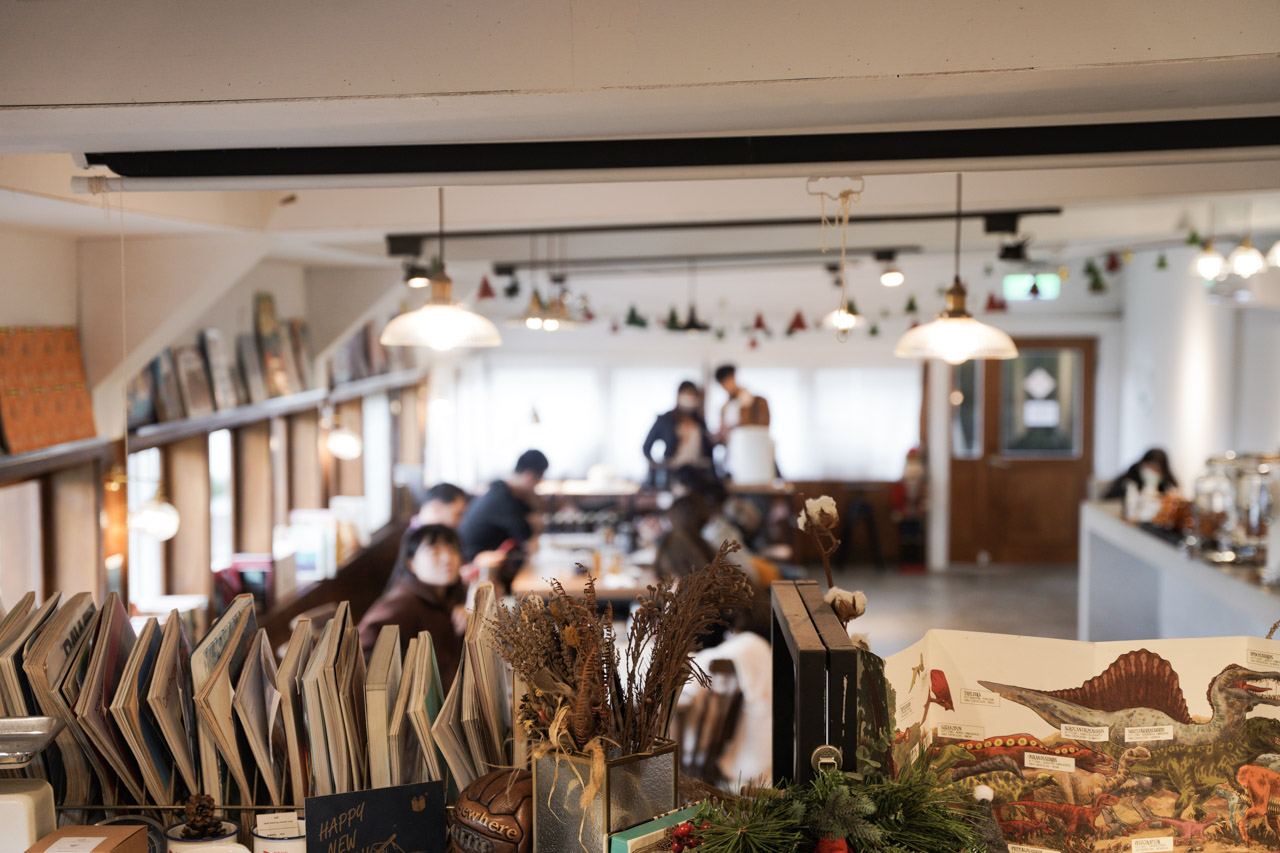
(232, 314)
(1258, 385)
(1179, 364)
(37, 279)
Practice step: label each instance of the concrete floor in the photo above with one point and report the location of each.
(1034, 600)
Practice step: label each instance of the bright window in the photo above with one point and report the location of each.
(864, 420)
(376, 426)
(222, 520)
(20, 569)
(146, 553)
(558, 410)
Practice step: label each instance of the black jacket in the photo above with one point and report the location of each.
(664, 430)
(494, 518)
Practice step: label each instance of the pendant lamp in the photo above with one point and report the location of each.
(954, 335)
(441, 324)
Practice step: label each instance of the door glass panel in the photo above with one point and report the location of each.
(966, 410)
(1040, 403)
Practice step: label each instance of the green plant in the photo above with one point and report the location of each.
(913, 813)
(835, 809)
(768, 822)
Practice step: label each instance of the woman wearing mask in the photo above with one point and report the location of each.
(1149, 474)
(683, 433)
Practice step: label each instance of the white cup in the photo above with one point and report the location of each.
(291, 844)
(225, 843)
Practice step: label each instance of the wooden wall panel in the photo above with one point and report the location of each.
(350, 472)
(254, 503)
(75, 547)
(306, 474)
(186, 484)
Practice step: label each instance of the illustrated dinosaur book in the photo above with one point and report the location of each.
(1084, 745)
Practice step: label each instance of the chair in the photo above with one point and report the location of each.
(707, 724)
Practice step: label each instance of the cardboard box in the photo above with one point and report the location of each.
(93, 839)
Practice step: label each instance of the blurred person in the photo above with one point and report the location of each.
(502, 525)
(427, 596)
(1148, 474)
(444, 503)
(683, 433)
(682, 548)
(742, 408)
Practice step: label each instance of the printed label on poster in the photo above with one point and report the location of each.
(959, 732)
(1152, 845)
(1269, 660)
(985, 698)
(1035, 760)
(1090, 733)
(915, 752)
(904, 709)
(1138, 734)
(1022, 848)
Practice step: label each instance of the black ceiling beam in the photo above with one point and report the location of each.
(639, 262)
(410, 244)
(681, 152)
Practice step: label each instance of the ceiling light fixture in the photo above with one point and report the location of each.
(441, 323)
(344, 444)
(954, 335)
(1245, 260)
(1210, 264)
(891, 276)
(416, 275)
(156, 518)
(844, 318)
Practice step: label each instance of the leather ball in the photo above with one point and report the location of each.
(494, 815)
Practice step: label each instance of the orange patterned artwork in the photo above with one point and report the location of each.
(43, 396)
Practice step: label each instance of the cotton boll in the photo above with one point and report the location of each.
(983, 793)
(847, 605)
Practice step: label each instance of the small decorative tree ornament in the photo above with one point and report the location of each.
(1097, 284)
(1064, 272)
(797, 324)
(912, 308)
(486, 290)
(874, 331)
(1034, 292)
(1162, 262)
(635, 319)
(759, 324)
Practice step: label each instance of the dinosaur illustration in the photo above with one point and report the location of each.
(1195, 771)
(1186, 829)
(939, 693)
(1141, 689)
(1263, 787)
(917, 672)
(994, 764)
(1075, 819)
(1234, 804)
(1007, 786)
(1083, 788)
(1019, 745)
(1019, 831)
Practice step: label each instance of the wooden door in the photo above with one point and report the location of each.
(1022, 452)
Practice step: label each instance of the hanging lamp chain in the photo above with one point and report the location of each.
(956, 294)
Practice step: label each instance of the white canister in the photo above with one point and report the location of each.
(225, 843)
(289, 844)
(750, 456)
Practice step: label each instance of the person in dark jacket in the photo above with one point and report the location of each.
(426, 595)
(682, 431)
(1151, 470)
(505, 512)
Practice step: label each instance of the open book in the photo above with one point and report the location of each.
(406, 763)
(381, 686)
(171, 701)
(133, 715)
(288, 680)
(257, 704)
(215, 663)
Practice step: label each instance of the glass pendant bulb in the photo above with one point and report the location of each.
(344, 444)
(1210, 262)
(1273, 254)
(955, 336)
(892, 276)
(156, 518)
(1245, 260)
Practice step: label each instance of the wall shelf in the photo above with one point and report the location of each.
(157, 435)
(376, 385)
(34, 463)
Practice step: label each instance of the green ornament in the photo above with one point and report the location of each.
(1162, 263)
(1097, 284)
(911, 305)
(719, 333)
(1193, 238)
(850, 308)
(874, 331)
(634, 319)
(673, 321)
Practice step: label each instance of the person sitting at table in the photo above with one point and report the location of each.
(682, 548)
(426, 594)
(1150, 473)
(503, 520)
(683, 433)
(443, 503)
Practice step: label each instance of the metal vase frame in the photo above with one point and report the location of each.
(637, 787)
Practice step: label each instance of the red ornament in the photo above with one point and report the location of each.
(1113, 262)
(759, 325)
(832, 845)
(753, 343)
(1034, 292)
(486, 290)
(797, 324)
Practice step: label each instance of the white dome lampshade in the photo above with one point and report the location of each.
(156, 518)
(1210, 263)
(1245, 260)
(441, 324)
(954, 335)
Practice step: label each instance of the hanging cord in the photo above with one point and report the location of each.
(846, 199)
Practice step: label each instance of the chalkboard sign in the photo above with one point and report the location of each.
(403, 819)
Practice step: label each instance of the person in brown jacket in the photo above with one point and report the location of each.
(427, 594)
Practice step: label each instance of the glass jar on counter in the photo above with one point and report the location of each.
(1255, 504)
(1213, 511)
